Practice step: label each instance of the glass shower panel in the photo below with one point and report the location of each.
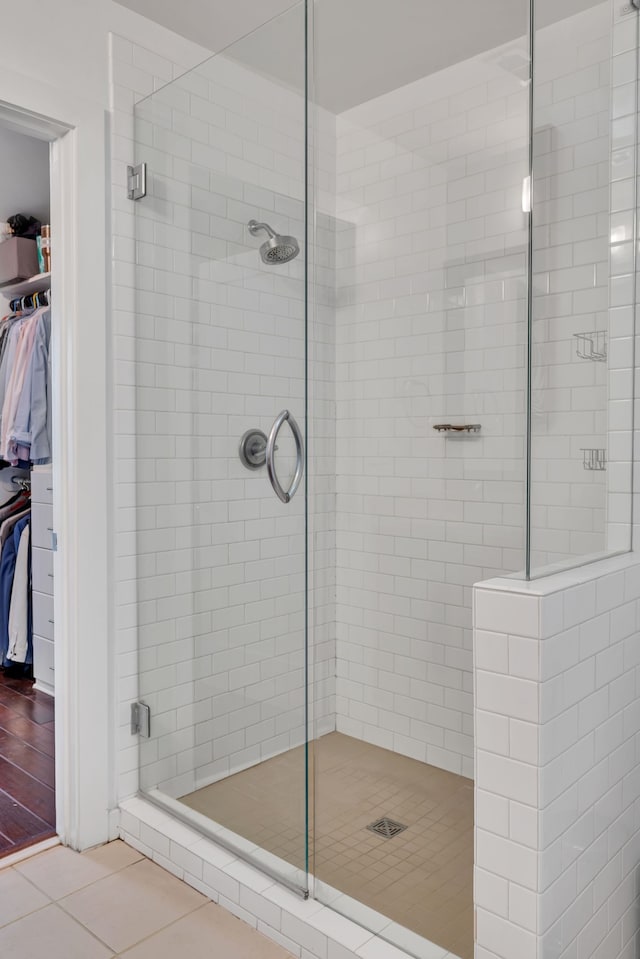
(220, 338)
(583, 291)
(431, 289)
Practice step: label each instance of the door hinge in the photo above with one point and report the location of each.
(140, 720)
(137, 181)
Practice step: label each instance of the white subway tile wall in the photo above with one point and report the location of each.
(557, 725)
(431, 329)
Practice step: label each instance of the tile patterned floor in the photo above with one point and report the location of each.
(421, 878)
(113, 902)
(27, 771)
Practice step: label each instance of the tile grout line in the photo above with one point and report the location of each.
(138, 942)
(174, 922)
(44, 893)
(117, 872)
(86, 885)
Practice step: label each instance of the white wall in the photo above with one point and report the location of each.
(55, 77)
(56, 60)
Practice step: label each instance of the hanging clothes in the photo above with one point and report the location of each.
(25, 388)
(20, 649)
(15, 384)
(7, 527)
(11, 529)
(15, 502)
(30, 435)
(8, 357)
(25, 440)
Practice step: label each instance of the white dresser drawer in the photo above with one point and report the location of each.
(41, 525)
(43, 664)
(41, 486)
(42, 570)
(43, 615)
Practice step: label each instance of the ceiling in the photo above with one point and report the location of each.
(363, 48)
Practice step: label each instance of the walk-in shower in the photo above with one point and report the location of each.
(429, 387)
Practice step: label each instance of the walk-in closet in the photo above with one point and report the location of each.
(27, 667)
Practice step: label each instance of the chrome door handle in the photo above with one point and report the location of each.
(285, 495)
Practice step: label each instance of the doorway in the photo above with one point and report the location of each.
(27, 622)
(74, 130)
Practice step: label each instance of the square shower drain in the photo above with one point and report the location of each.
(388, 828)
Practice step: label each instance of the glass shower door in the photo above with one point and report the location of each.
(219, 382)
(430, 290)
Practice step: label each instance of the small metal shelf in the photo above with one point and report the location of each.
(458, 428)
(594, 458)
(592, 346)
(35, 284)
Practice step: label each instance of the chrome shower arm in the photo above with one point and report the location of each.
(255, 227)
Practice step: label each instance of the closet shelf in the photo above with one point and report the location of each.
(35, 284)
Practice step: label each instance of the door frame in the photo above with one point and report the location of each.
(77, 130)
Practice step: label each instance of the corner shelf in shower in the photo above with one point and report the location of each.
(35, 284)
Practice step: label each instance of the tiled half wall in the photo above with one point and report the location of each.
(557, 723)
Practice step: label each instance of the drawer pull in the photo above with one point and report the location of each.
(49, 489)
(49, 529)
(51, 621)
(50, 575)
(52, 668)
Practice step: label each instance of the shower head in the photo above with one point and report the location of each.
(277, 249)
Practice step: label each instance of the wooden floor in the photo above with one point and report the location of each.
(27, 796)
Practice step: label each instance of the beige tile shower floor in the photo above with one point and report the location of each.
(113, 902)
(421, 878)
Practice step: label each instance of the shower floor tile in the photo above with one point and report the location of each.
(421, 878)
